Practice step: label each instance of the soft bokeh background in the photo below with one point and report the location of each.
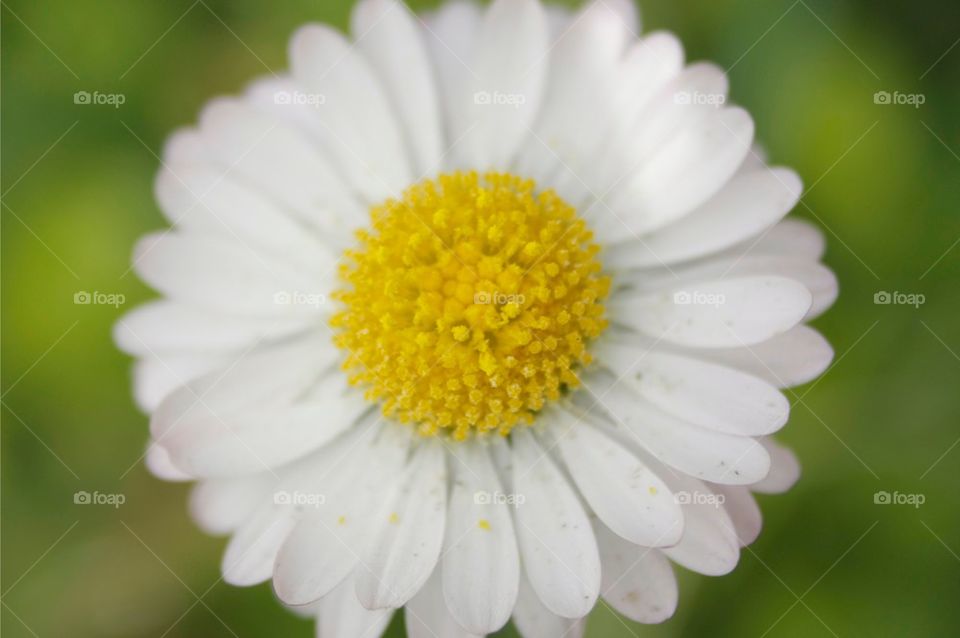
(883, 181)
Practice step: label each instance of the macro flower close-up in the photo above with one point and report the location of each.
(451, 323)
(470, 318)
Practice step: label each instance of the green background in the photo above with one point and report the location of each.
(883, 181)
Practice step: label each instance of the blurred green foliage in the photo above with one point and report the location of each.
(883, 181)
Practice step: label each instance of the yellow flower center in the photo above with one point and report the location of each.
(470, 303)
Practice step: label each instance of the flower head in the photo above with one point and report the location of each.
(484, 314)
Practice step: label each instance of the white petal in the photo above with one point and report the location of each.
(668, 112)
(302, 611)
(427, 616)
(650, 114)
(743, 511)
(709, 545)
(451, 33)
(502, 456)
(822, 284)
(187, 146)
(784, 469)
(556, 541)
(357, 123)
(227, 444)
(221, 275)
(391, 39)
(618, 487)
(533, 620)
(259, 148)
(254, 551)
(340, 615)
(750, 203)
(793, 358)
(638, 581)
(790, 238)
(165, 326)
(718, 314)
(220, 506)
(202, 199)
(561, 20)
(702, 393)
(315, 558)
(757, 159)
(685, 171)
(325, 545)
(481, 568)
(626, 12)
(407, 539)
(558, 20)
(818, 280)
(158, 462)
(251, 552)
(647, 67)
(505, 82)
(706, 454)
(155, 377)
(269, 376)
(577, 106)
(328, 202)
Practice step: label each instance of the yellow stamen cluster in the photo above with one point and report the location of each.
(469, 303)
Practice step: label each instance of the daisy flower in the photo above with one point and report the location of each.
(484, 314)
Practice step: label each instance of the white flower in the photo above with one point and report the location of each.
(475, 408)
